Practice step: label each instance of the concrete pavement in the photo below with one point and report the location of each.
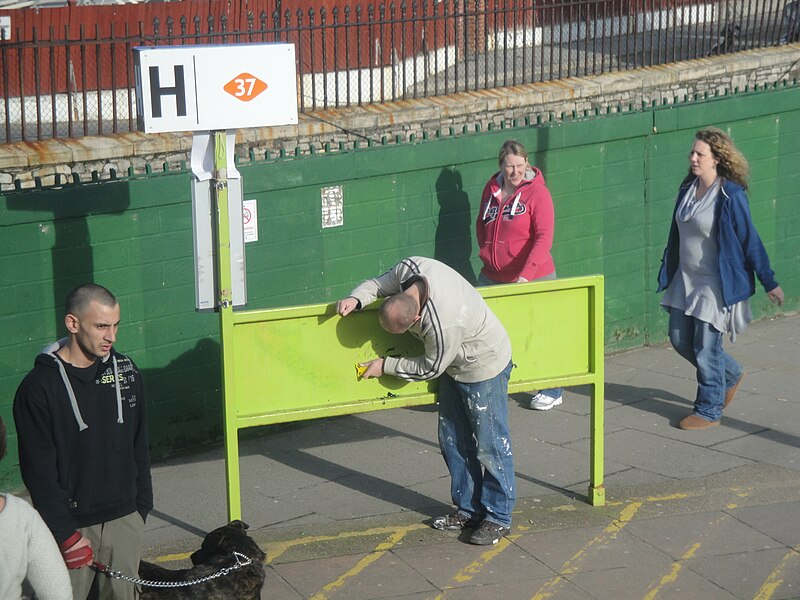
(341, 505)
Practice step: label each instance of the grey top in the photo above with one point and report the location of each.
(696, 288)
(29, 552)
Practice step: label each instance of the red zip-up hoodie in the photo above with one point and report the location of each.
(515, 236)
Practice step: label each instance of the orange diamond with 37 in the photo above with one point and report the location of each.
(245, 87)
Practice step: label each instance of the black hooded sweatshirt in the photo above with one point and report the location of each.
(83, 447)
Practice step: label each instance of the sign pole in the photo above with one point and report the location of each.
(225, 308)
(243, 85)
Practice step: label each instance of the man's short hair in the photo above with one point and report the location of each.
(398, 312)
(79, 299)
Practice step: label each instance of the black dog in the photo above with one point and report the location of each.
(216, 553)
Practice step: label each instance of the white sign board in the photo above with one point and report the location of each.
(205, 250)
(215, 87)
(250, 220)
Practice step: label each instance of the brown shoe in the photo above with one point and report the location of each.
(732, 391)
(694, 421)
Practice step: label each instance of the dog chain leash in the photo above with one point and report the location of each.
(241, 561)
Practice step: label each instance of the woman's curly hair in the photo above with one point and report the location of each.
(732, 163)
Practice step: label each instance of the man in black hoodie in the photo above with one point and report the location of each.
(83, 448)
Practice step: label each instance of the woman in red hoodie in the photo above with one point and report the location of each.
(515, 232)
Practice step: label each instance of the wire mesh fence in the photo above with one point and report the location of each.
(80, 81)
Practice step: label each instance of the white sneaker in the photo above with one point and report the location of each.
(542, 402)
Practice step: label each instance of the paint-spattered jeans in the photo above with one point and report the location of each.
(476, 445)
(701, 344)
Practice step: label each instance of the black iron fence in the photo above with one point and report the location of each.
(71, 84)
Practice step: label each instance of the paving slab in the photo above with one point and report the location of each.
(771, 520)
(741, 573)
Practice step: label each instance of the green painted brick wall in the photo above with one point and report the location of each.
(613, 180)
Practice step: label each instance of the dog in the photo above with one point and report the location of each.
(215, 554)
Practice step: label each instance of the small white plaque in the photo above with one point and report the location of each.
(250, 220)
(332, 206)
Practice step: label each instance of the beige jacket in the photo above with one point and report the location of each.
(461, 334)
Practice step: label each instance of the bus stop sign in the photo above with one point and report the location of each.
(215, 87)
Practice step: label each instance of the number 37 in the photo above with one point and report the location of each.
(244, 86)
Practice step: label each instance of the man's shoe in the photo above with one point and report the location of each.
(543, 402)
(694, 421)
(454, 522)
(488, 533)
(732, 391)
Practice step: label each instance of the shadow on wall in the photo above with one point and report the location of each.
(453, 243)
(184, 400)
(67, 211)
(184, 397)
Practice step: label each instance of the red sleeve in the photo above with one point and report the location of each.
(542, 227)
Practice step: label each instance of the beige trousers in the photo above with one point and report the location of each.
(118, 545)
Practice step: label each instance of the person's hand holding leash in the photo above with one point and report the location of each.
(77, 551)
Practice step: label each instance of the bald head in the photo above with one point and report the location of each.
(398, 313)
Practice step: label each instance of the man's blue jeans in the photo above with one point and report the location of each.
(701, 344)
(476, 445)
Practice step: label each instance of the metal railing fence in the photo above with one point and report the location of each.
(72, 84)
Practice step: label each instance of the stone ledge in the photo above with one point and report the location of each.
(546, 97)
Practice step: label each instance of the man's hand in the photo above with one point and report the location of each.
(77, 551)
(776, 296)
(374, 368)
(346, 305)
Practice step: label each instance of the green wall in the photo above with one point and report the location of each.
(613, 178)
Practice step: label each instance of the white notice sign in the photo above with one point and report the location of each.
(250, 220)
(215, 87)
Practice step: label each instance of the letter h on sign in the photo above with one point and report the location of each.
(178, 90)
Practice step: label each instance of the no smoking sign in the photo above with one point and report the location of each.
(215, 87)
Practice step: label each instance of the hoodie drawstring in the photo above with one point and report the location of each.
(514, 206)
(116, 387)
(51, 351)
(486, 212)
(73, 401)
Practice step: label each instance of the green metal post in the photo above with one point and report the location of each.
(225, 307)
(597, 489)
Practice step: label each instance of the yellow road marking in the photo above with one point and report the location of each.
(172, 557)
(380, 550)
(775, 579)
(679, 496)
(572, 565)
(474, 568)
(274, 549)
(670, 577)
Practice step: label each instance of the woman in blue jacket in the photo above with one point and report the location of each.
(712, 254)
